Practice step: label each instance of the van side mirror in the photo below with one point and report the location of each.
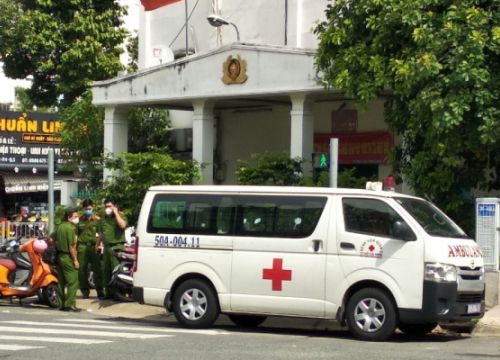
(401, 230)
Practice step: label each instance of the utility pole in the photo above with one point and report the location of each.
(334, 162)
(186, 26)
(51, 190)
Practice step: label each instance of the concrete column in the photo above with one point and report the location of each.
(302, 131)
(203, 139)
(115, 133)
(68, 191)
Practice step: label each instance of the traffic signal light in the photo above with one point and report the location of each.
(321, 161)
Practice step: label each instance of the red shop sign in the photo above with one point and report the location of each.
(358, 148)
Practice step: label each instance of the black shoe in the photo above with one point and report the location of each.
(85, 295)
(72, 309)
(100, 295)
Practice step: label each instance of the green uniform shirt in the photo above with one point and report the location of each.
(87, 230)
(65, 237)
(111, 232)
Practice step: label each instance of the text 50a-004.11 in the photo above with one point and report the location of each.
(177, 241)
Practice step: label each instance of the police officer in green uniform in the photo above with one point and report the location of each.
(112, 227)
(87, 250)
(67, 262)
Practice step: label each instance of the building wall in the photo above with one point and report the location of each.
(270, 129)
(277, 22)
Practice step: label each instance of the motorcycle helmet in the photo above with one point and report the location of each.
(39, 245)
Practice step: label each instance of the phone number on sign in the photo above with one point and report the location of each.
(177, 241)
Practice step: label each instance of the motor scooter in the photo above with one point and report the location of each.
(21, 278)
(122, 281)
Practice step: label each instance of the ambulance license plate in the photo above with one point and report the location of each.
(473, 308)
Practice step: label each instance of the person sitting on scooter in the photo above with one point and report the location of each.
(87, 254)
(67, 262)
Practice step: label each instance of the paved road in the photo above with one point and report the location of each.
(33, 332)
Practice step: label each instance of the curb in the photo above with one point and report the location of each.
(130, 310)
(486, 330)
(489, 325)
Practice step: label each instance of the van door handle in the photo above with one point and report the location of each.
(347, 246)
(317, 245)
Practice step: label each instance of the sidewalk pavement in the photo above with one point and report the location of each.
(489, 325)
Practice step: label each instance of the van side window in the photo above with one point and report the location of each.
(200, 217)
(278, 216)
(225, 215)
(265, 216)
(168, 215)
(369, 216)
(192, 214)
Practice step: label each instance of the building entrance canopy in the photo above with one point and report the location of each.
(237, 76)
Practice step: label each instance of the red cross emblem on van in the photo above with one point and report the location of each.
(277, 274)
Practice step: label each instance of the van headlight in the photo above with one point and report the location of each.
(440, 272)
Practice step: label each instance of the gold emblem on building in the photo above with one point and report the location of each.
(234, 70)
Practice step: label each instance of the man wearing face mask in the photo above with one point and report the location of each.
(112, 227)
(67, 262)
(87, 252)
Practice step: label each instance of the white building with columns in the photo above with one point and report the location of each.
(242, 97)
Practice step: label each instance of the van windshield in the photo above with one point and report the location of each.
(432, 220)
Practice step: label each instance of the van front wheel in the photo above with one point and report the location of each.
(195, 304)
(371, 315)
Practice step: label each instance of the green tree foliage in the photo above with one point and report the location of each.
(137, 172)
(148, 129)
(62, 45)
(437, 61)
(133, 52)
(270, 168)
(82, 138)
(23, 101)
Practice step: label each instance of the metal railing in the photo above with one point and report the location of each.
(14, 229)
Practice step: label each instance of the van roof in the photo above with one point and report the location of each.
(255, 189)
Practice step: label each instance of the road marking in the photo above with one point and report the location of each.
(79, 332)
(54, 339)
(19, 347)
(91, 321)
(117, 327)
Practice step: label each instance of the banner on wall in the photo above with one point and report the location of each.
(358, 148)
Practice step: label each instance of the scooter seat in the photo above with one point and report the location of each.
(9, 264)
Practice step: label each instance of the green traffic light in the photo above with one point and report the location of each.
(323, 161)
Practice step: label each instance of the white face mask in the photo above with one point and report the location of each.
(75, 221)
(108, 211)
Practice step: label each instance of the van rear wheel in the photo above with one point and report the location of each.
(371, 315)
(247, 321)
(195, 304)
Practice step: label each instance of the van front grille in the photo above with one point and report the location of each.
(469, 298)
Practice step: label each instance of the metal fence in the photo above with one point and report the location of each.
(15, 229)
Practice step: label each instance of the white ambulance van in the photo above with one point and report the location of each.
(373, 260)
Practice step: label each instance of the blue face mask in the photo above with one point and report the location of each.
(87, 212)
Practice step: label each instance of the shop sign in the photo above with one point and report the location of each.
(25, 139)
(358, 148)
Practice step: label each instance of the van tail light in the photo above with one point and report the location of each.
(136, 251)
